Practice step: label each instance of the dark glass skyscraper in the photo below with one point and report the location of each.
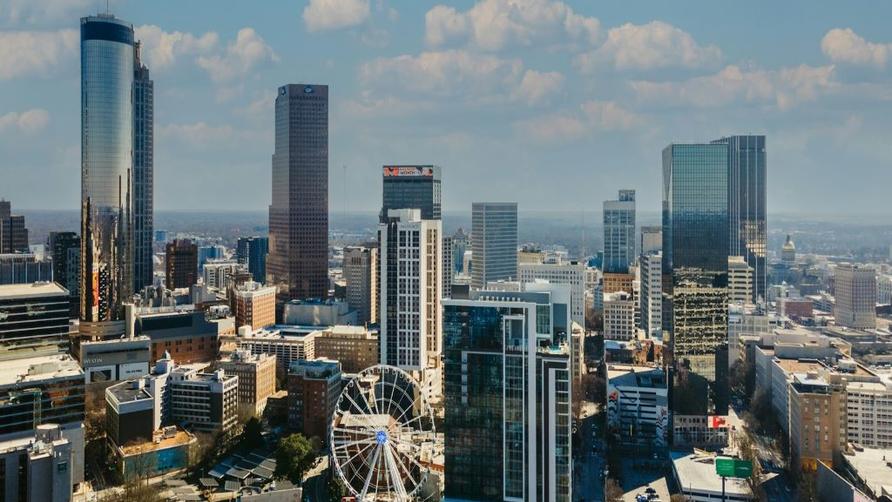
(251, 251)
(507, 389)
(65, 248)
(695, 277)
(107, 71)
(143, 172)
(412, 187)
(747, 200)
(297, 263)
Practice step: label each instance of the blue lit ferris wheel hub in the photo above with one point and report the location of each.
(381, 437)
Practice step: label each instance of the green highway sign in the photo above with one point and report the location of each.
(733, 467)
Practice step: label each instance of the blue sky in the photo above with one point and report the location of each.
(553, 104)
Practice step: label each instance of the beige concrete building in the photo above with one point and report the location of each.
(856, 296)
(255, 305)
(355, 347)
(361, 274)
(256, 379)
(740, 280)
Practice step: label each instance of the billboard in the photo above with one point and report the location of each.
(408, 171)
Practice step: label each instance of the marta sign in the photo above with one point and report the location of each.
(727, 467)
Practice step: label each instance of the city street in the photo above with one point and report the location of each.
(588, 471)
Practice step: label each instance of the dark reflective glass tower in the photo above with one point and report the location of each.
(143, 172)
(747, 198)
(412, 187)
(297, 263)
(695, 277)
(106, 173)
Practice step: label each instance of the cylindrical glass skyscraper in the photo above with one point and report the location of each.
(106, 173)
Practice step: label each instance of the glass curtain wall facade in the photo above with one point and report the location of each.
(107, 72)
(507, 399)
(493, 242)
(619, 232)
(747, 201)
(143, 171)
(297, 263)
(695, 276)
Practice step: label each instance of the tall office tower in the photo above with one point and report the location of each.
(695, 267)
(65, 251)
(571, 273)
(740, 280)
(651, 239)
(107, 119)
(651, 302)
(143, 171)
(507, 385)
(297, 263)
(251, 251)
(13, 234)
(412, 187)
(856, 296)
(447, 266)
(493, 242)
(619, 233)
(180, 263)
(361, 273)
(410, 261)
(747, 201)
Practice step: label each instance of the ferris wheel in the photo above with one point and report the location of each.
(379, 431)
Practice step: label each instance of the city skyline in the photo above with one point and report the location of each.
(219, 82)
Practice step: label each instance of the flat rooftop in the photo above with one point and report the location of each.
(128, 391)
(32, 290)
(36, 369)
(636, 376)
(871, 466)
(697, 474)
(800, 365)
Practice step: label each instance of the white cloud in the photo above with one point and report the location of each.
(497, 24)
(29, 53)
(43, 11)
(445, 73)
(536, 86)
(846, 46)
(592, 116)
(783, 88)
(322, 15)
(161, 48)
(647, 46)
(202, 134)
(248, 51)
(459, 75)
(609, 116)
(29, 121)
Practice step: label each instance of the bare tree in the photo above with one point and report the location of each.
(614, 492)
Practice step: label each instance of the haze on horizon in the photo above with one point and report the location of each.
(555, 105)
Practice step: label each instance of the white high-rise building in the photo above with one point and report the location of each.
(740, 280)
(651, 286)
(219, 274)
(570, 273)
(619, 316)
(410, 262)
(493, 242)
